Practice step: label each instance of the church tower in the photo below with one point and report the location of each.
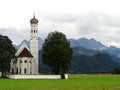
(34, 42)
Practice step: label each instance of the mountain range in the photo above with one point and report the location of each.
(90, 44)
(89, 56)
(87, 43)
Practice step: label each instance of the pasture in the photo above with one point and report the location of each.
(75, 82)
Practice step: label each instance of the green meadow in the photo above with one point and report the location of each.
(75, 82)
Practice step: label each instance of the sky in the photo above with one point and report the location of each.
(98, 19)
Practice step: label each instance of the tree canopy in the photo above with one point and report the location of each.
(7, 51)
(56, 52)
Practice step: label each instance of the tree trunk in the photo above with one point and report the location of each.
(2, 69)
(62, 73)
(62, 76)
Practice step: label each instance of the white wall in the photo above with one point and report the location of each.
(36, 76)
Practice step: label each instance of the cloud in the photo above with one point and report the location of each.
(15, 35)
(104, 28)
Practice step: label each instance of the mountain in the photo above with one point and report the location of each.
(95, 45)
(87, 43)
(91, 44)
(92, 61)
(79, 50)
(114, 51)
(86, 61)
(24, 41)
(40, 42)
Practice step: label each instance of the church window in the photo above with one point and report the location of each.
(25, 61)
(30, 71)
(12, 71)
(25, 70)
(20, 70)
(17, 71)
(20, 61)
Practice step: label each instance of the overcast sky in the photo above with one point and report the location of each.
(98, 19)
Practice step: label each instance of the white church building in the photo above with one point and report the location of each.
(26, 61)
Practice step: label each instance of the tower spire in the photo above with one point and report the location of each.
(34, 20)
(34, 15)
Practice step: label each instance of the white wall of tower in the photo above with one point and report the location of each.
(34, 45)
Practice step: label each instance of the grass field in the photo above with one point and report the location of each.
(75, 82)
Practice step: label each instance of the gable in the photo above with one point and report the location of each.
(25, 53)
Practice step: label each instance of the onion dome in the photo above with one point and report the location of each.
(34, 20)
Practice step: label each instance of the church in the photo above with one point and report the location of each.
(25, 64)
(26, 59)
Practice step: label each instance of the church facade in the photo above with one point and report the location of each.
(26, 59)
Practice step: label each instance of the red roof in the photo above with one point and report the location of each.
(25, 53)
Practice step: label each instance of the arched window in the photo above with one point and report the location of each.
(25, 61)
(30, 71)
(20, 61)
(17, 71)
(25, 70)
(20, 70)
(34, 31)
(12, 71)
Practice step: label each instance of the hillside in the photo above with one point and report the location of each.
(89, 61)
(79, 50)
(88, 64)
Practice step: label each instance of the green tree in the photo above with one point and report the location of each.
(7, 51)
(56, 52)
